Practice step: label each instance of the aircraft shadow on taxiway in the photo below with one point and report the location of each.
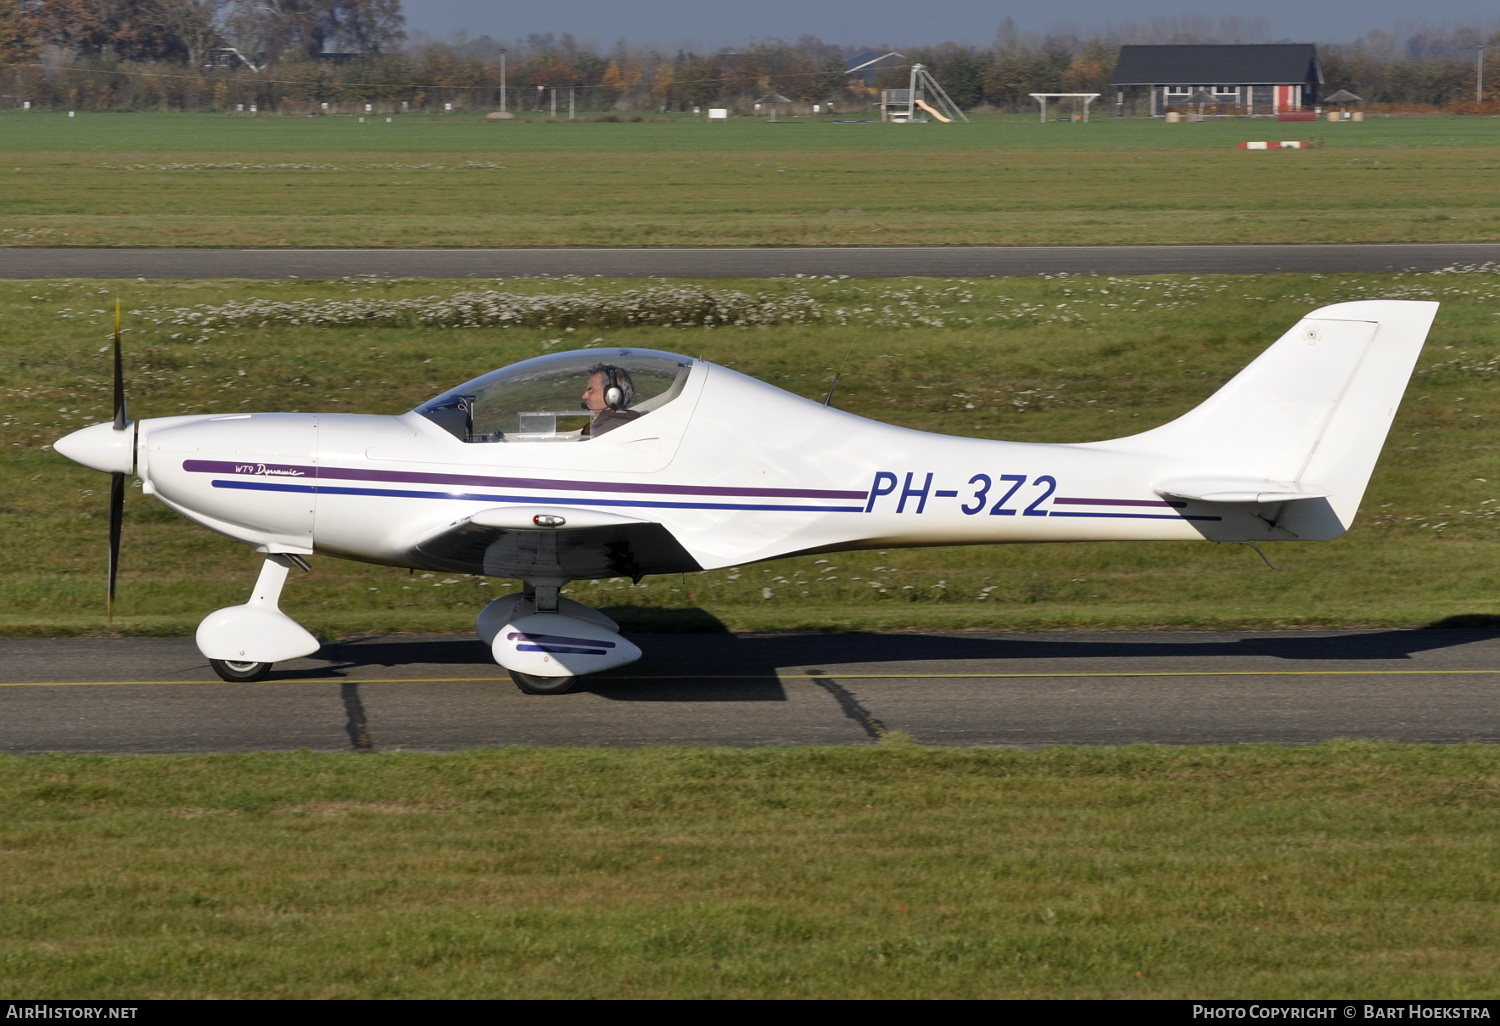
(704, 662)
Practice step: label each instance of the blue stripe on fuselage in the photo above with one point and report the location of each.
(549, 500)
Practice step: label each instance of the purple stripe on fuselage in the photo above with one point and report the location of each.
(1132, 516)
(475, 480)
(1117, 502)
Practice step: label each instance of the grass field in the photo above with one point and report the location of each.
(201, 180)
(1334, 871)
(1066, 359)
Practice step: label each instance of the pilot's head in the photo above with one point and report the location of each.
(609, 388)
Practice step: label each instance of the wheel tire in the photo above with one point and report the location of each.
(238, 671)
(531, 684)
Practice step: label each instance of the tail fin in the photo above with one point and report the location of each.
(1304, 421)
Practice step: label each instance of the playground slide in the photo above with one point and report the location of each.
(924, 105)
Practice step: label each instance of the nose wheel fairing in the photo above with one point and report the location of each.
(258, 631)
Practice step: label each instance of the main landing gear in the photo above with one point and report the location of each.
(546, 642)
(238, 670)
(531, 684)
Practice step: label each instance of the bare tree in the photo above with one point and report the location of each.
(196, 24)
(313, 27)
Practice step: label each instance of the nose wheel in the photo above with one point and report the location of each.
(532, 684)
(238, 671)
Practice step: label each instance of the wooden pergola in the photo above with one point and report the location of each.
(1087, 99)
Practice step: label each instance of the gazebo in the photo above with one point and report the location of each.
(1343, 98)
(1202, 97)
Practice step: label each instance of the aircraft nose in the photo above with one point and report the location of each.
(101, 447)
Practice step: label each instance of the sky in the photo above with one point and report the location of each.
(700, 25)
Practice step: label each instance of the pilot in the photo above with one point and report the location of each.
(608, 397)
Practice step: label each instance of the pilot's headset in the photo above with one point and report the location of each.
(619, 390)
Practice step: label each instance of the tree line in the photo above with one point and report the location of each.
(295, 55)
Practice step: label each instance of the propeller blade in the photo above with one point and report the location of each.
(120, 412)
(116, 480)
(116, 516)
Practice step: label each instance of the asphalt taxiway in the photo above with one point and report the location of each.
(971, 688)
(740, 262)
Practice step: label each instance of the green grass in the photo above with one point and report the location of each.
(1067, 359)
(200, 180)
(1334, 871)
(109, 132)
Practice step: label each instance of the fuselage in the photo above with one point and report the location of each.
(735, 469)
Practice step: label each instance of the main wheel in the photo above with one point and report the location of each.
(239, 671)
(531, 684)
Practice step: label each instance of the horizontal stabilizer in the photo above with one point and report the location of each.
(1237, 490)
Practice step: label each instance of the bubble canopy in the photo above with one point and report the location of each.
(540, 400)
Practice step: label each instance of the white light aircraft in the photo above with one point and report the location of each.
(681, 465)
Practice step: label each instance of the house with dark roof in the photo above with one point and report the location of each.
(1262, 78)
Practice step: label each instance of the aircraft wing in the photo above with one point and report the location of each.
(552, 541)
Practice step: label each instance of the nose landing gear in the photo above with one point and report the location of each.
(241, 642)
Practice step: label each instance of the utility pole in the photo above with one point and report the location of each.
(1479, 77)
(571, 91)
(502, 80)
